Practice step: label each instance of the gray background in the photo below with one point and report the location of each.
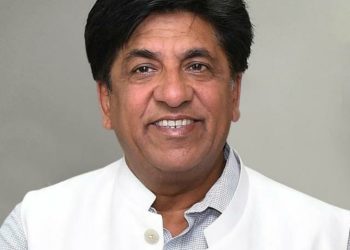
(295, 124)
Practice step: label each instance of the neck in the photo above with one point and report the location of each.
(173, 200)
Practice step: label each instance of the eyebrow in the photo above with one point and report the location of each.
(141, 53)
(188, 54)
(197, 52)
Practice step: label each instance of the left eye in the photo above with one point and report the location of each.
(197, 67)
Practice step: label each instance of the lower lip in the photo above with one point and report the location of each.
(182, 131)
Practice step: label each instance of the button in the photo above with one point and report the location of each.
(151, 236)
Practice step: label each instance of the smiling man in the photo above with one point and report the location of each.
(172, 86)
(168, 77)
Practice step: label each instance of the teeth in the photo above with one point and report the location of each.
(174, 123)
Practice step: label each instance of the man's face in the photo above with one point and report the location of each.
(173, 97)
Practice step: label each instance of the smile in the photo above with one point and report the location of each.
(174, 123)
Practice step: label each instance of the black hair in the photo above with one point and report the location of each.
(111, 23)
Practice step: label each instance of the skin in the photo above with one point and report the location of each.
(172, 68)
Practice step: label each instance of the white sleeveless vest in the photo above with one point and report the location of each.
(108, 209)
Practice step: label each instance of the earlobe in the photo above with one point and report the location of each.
(236, 95)
(104, 100)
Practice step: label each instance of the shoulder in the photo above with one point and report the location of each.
(290, 205)
(279, 194)
(72, 192)
(276, 211)
(79, 182)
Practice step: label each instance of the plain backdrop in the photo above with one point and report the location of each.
(295, 104)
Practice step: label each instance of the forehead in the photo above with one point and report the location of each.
(177, 28)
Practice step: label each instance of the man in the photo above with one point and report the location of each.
(169, 76)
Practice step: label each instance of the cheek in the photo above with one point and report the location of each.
(128, 109)
(218, 101)
(131, 103)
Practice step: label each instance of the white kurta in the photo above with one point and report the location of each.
(108, 209)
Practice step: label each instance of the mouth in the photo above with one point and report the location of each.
(174, 124)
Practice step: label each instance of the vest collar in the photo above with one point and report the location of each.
(135, 192)
(234, 211)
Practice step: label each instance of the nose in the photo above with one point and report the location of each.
(173, 90)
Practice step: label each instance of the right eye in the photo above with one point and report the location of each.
(144, 70)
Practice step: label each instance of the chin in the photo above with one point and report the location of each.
(176, 166)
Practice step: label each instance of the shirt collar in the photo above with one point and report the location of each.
(220, 194)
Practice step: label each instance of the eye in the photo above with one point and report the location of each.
(143, 70)
(197, 67)
(199, 71)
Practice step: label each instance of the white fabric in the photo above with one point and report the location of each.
(108, 209)
(12, 236)
(199, 216)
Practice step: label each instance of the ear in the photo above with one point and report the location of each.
(236, 95)
(104, 98)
